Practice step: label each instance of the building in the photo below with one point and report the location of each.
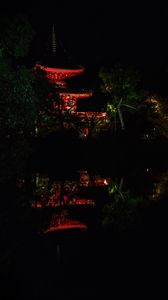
(58, 70)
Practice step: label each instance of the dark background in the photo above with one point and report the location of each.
(104, 33)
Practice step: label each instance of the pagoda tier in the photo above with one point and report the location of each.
(70, 98)
(77, 94)
(58, 75)
(91, 114)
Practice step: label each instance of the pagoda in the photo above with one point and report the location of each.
(58, 69)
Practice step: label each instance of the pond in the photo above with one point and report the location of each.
(108, 198)
(95, 230)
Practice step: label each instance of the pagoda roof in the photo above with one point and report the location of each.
(77, 93)
(77, 70)
(92, 114)
(55, 56)
(58, 75)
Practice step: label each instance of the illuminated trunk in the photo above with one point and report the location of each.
(91, 126)
(90, 132)
(121, 119)
(120, 189)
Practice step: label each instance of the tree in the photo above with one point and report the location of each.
(121, 209)
(157, 115)
(16, 35)
(53, 116)
(90, 122)
(120, 85)
(22, 90)
(19, 99)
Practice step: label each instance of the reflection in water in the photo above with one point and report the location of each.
(121, 206)
(68, 248)
(160, 186)
(66, 192)
(51, 192)
(126, 199)
(112, 200)
(61, 222)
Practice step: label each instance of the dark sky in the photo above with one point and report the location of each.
(105, 32)
(99, 32)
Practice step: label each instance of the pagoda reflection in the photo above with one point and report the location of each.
(61, 222)
(55, 193)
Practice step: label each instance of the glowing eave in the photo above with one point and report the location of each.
(93, 113)
(77, 95)
(61, 70)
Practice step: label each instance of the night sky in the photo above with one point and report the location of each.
(97, 34)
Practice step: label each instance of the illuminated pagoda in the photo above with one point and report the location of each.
(58, 70)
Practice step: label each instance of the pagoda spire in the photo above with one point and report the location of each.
(53, 40)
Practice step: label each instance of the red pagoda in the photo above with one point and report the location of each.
(57, 70)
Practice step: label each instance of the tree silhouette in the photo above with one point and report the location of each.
(120, 85)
